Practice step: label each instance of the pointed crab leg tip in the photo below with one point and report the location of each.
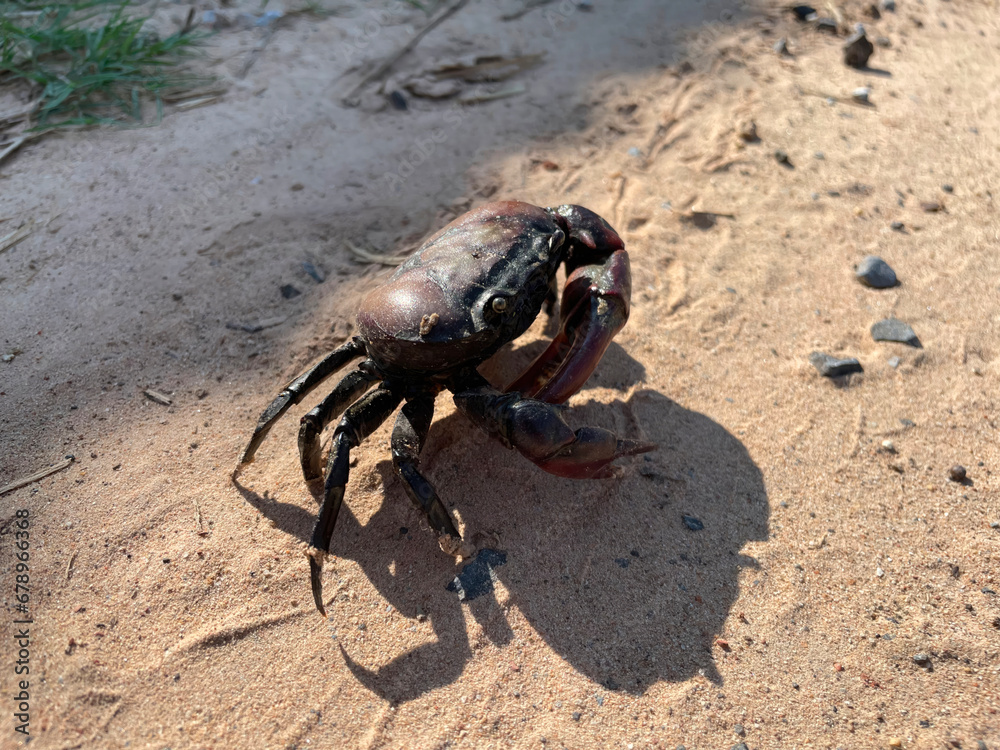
(634, 447)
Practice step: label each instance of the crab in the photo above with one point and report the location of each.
(476, 285)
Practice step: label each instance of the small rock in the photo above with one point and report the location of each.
(288, 291)
(297, 187)
(314, 272)
(894, 362)
(878, 571)
(957, 473)
(819, 155)
(831, 367)
(693, 523)
(861, 95)
(829, 25)
(948, 188)
(398, 101)
(887, 6)
(892, 329)
(875, 272)
(931, 207)
(895, 742)
(888, 446)
(922, 659)
(883, 41)
(741, 746)
(804, 12)
(782, 157)
(857, 50)
(739, 731)
(897, 226)
(576, 716)
(781, 47)
(748, 131)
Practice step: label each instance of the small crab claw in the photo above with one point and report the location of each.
(537, 430)
(594, 308)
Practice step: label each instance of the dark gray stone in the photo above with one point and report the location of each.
(857, 50)
(831, 367)
(693, 523)
(875, 272)
(288, 291)
(892, 329)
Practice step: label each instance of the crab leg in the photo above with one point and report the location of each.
(594, 308)
(537, 430)
(360, 420)
(350, 389)
(408, 438)
(297, 390)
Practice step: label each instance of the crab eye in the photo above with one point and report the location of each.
(499, 304)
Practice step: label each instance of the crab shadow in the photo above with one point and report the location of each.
(612, 574)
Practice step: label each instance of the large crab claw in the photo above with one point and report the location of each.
(540, 434)
(594, 308)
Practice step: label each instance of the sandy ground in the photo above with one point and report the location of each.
(171, 609)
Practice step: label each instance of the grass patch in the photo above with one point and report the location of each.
(91, 62)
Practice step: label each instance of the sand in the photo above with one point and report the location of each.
(171, 609)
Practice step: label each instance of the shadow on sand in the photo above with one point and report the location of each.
(609, 572)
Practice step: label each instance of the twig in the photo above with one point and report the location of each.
(8, 241)
(529, 6)
(385, 260)
(37, 475)
(255, 52)
(475, 98)
(69, 565)
(16, 144)
(160, 398)
(382, 69)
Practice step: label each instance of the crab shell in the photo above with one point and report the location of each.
(477, 284)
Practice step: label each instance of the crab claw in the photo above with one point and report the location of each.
(538, 432)
(595, 307)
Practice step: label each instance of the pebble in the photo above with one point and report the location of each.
(576, 716)
(931, 207)
(883, 41)
(804, 12)
(741, 746)
(887, 5)
(888, 446)
(748, 131)
(857, 50)
(781, 46)
(739, 730)
(892, 329)
(313, 272)
(895, 742)
(894, 362)
(957, 473)
(782, 157)
(831, 367)
(897, 226)
(861, 95)
(948, 188)
(288, 291)
(875, 272)
(828, 25)
(693, 523)
(398, 101)
(922, 659)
